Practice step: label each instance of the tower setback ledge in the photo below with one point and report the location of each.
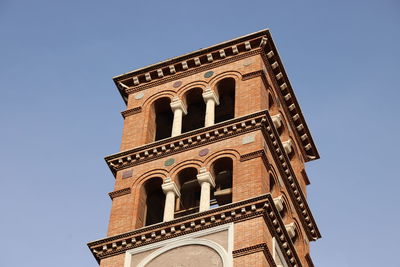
(261, 206)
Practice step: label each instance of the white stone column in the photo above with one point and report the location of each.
(171, 192)
(211, 99)
(179, 109)
(206, 180)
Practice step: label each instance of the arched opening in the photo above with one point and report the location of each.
(285, 210)
(154, 201)
(271, 101)
(196, 111)
(272, 186)
(226, 108)
(190, 192)
(222, 193)
(163, 118)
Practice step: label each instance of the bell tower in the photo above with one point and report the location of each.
(211, 168)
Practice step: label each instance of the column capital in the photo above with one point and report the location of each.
(205, 177)
(277, 120)
(177, 103)
(170, 186)
(291, 229)
(210, 94)
(287, 145)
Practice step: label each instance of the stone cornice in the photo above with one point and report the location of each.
(284, 165)
(296, 119)
(121, 192)
(186, 141)
(198, 60)
(235, 212)
(288, 99)
(131, 111)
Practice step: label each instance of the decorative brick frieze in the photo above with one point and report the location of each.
(190, 72)
(118, 193)
(235, 212)
(202, 60)
(131, 111)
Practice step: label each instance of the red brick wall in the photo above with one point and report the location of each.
(250, 177)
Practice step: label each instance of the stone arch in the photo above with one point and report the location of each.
(165, 93)
(187, 87)
(227, 74)
(218, 249)
(274, 188)
(141, 179)
(287, 208)
(272, 107)
(195, 163)
(232, 153)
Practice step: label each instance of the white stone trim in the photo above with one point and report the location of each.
(189, 239)
(277, 252)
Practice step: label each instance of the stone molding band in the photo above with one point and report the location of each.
(251, 155)
(118, 193)
(252, 75)
(184, 142)
(131, 111)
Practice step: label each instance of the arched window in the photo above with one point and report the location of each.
(163, 118)
(222, 193)
(226, 108)
(190, 192)
(154, 199)
(272, 185)
(271, 101)
(196, 110)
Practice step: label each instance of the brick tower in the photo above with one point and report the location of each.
(211, 167)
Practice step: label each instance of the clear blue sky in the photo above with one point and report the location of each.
(60, 113)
